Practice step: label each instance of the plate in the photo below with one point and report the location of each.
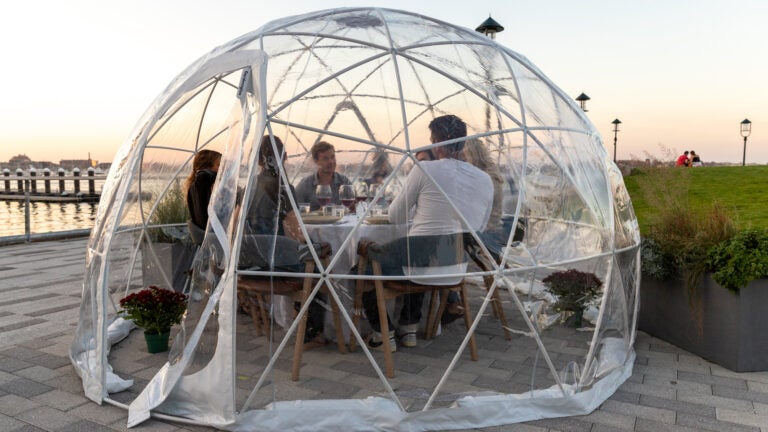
(377, 220)
(320, 219)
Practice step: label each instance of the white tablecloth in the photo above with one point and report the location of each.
(335, 234)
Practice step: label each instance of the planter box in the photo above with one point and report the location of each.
(173, 260)
(728, 329)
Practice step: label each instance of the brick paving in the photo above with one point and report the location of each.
(40, 286)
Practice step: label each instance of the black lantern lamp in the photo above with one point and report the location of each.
(582, 98)
(746, 129)
(616, 123)
(490, 27)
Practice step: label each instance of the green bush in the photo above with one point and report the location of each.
(172, 210)
(739, 260)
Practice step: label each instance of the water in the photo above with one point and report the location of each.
(45, 217)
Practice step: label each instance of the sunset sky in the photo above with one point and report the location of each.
(680, 75)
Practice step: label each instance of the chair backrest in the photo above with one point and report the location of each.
(266, 252)
(434, 256)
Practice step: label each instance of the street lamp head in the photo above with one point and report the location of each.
(616, 123)
(490, 27)
(582, 98)
(746, 128)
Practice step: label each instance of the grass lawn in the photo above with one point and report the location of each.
(741, 190)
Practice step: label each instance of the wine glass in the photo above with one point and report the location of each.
(361, 191)
(347, 196)
(374, 190)
(323, 195)
(391, 192)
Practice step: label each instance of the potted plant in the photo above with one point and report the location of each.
(574, 290)
(155, 310)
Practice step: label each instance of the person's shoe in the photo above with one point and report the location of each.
(377, 343)
(407, 335)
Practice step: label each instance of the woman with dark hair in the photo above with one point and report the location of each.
(199, 184)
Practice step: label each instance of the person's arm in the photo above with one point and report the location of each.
(400, 208)
(305, 192)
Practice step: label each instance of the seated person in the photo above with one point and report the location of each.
(324, 155)
(270, 209)
(433, 216)
(270, 213)
(199, 184)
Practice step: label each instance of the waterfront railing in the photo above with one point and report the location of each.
(29, 186)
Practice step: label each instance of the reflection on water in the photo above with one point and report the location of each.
(45, 217)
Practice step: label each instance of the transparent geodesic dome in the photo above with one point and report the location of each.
(547, 201)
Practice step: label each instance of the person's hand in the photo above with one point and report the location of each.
(362, 247)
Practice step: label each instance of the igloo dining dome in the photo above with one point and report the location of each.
(474, 260)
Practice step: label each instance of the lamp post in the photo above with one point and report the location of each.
(746, 129)
(490, 27)
(616, 123)
(582, 98)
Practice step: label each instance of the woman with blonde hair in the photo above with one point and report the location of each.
(476, 153)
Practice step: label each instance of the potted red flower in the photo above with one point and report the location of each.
(155, 310)
(574, 290)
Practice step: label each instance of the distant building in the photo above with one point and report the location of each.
(82, 164)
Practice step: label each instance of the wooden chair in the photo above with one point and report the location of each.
(484, 261)
(253, 291)
(390, 289)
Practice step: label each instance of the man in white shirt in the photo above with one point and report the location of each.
(431, 191)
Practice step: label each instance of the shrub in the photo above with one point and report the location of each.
(171, 210)
(739, 260)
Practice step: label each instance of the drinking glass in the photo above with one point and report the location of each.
(374, 190)
(323, 194)
(361, 191)
(347, 196)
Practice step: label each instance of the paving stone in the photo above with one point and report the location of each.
(606, 428)
(10, 364)
(712, 379)
(12, 405)
(330, 389)
(60, 400)
(678, 384)
(21, 353)
(102, 414)
(8, 423)
(712, 424)
(715, 401)
(742, 418)
(685, 407)
(47, 418)
(605, 418)
(735, 393)
(647, 425)
(649, 389)
(86, 426)
(29, 428)
(24, 387)
(37, 373)
(564, 424)
(625, 396)
(663, 415)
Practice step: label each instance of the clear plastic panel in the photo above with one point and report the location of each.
(456, 253)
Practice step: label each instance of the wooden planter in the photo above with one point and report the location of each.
(725, 328)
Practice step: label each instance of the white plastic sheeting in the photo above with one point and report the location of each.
(369, 81)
